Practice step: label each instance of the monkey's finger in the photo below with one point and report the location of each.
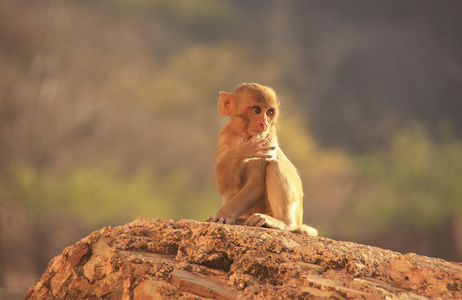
(259, 138)
(260, 222)
(267, 152)
(268, 149)
(221, 220)
(257, 220)
(251, 220)
(248, 222)
(254, 138)
(266, 141)
(261, 141)
(217, 219)
(212, 219)
(262, 155)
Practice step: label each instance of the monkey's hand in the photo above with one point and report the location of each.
(257, 147)
(223, 220)
(273, 145)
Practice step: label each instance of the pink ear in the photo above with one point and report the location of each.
(226, 103)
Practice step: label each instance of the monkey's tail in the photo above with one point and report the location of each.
(305, 229)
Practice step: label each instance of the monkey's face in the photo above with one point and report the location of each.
(259, 116)
(253, 109)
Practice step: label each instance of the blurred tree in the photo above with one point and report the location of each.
(188, 83)
(205, 20)
(100, 195)
(414, 185)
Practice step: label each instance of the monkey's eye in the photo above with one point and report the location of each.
(270, 112)
(256, 110)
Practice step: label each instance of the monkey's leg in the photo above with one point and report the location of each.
(285, 195)
(285, 192)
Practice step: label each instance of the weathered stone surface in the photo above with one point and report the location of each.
(146, 290)
(188, 282)
(164, 259)
(97, 267)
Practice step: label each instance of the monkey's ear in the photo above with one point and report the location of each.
(226, 104)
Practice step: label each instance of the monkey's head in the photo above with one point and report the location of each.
(252, 106)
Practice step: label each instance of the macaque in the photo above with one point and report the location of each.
(260, 186)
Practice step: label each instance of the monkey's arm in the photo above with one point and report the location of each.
(231, 160)
(252, 192)
(228, 170)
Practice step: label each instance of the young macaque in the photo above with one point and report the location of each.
(260, 186)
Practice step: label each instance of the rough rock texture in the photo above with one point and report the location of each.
(164, 259)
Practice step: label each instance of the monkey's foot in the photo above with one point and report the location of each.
(221, 220)
(262, 220)
(305, 229)
(257, 220)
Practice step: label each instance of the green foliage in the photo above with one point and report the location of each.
(197, 10)
(99, 195)
(189, 81)
(415, 182)
(303, 150)
(203, 18)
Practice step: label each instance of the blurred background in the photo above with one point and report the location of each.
(108, 111)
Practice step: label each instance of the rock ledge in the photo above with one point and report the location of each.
(186, 259)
